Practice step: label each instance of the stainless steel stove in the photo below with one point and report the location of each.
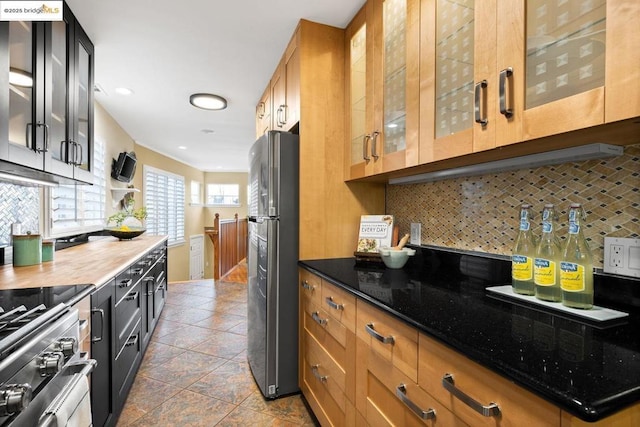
(39, 358)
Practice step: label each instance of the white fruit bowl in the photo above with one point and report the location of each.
(395, 258)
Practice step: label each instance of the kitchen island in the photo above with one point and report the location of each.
(587, 369)
(93, 263)
(119, 288)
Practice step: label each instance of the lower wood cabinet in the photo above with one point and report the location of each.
(446, 374)
(387, 373)
(124, 313)
(327, 350)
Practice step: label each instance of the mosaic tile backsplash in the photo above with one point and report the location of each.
(18, 204)
(481, 213)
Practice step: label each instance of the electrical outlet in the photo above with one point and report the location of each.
(616, 256)
(622, 256)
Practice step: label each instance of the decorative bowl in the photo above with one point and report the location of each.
(125, 232)
(395, 258)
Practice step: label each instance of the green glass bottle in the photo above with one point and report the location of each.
(576, 268)
(524, 252)
(546, 266)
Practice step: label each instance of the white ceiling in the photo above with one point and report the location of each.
(167, 50)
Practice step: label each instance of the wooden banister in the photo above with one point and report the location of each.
(229, 238)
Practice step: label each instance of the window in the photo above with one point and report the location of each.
(223, 194)
(75, 208)
(196, 196)
(164, 198)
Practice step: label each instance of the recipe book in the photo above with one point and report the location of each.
(376, 231)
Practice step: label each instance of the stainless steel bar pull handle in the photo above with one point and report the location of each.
(374, 144)
(504, 75)
(331, 303)
(101, 312)
(384, 340)
(132, 296)
(478, 100)
(401, 393)
(125, 283)
(490, 410)
(321, 378)
(365, 147)
(131, 341)
(316, 316)
(305, 284)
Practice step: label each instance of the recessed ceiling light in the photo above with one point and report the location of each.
(208, 101)
(124, 91)
(20, 78)
(207, 131)
(182, 147)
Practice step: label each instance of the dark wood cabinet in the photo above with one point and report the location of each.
(125, 312)
(103, 350)
(46, 86)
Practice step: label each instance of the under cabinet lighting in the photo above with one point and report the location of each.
(17, 179)
(574, 154)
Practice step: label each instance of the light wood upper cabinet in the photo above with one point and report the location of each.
(285, 89)
(382, 44)
(503, 72)
(263, 113)
(279, 105)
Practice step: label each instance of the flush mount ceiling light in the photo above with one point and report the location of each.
(208, 101)
(20, 78)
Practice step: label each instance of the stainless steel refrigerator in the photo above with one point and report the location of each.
(272, 348)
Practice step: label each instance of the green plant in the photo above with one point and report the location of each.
(140, 214)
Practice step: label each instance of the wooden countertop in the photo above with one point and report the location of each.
(93, 263)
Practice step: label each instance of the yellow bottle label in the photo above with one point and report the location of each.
(521, 267)
(544, 272)
(571, 277)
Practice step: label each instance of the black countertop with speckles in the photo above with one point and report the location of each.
(590, 369)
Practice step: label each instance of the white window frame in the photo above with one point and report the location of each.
(173, 201)
(207, 203)
(99, 186)
(195, 197)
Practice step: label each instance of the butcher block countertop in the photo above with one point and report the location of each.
(93, 263)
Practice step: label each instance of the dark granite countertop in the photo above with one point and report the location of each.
(586, 368)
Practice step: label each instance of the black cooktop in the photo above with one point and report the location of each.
(22, 311)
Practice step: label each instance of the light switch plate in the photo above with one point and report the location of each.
(622, 256)
(416, 233)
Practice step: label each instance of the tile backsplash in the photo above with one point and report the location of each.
(18, 204)
(481, 213)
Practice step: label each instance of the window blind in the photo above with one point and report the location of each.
(164, 198)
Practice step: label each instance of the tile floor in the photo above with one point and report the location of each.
(195, 372)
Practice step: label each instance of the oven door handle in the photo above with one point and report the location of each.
(83, 369)
(101, 312)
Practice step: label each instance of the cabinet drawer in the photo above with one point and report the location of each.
(127, 362)
(388, 397)
(310, 287)
(339, 304)
(124, 282)
(127, 314)
(517, 406)
(390, 338)
(336, 340)
(320, 324)
(322, 371)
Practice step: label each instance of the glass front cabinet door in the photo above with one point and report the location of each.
(499, 72)
(383, 87)
(46, 90)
